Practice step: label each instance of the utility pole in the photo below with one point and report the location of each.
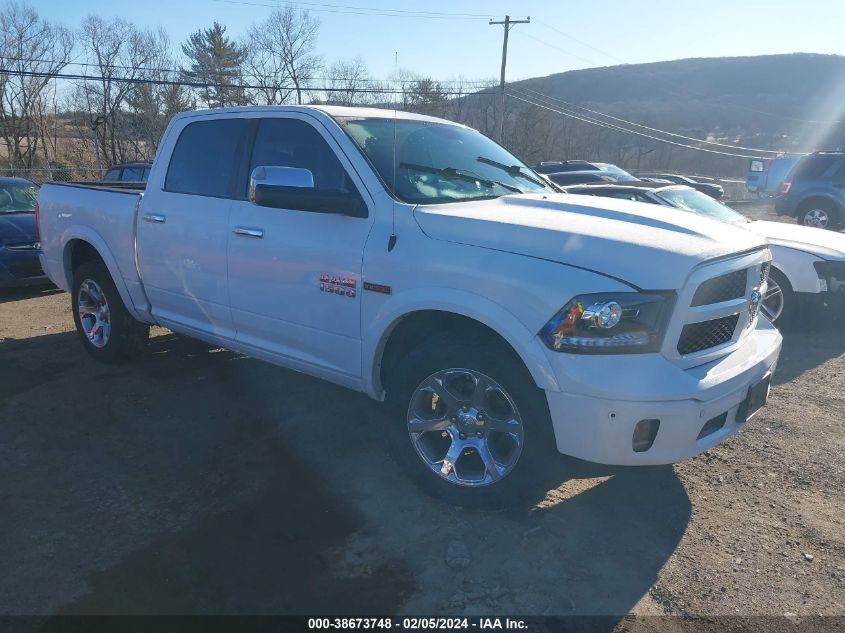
(507, 23)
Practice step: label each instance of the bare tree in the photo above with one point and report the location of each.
(122, 54)
(33, 51)
(285, 44)
(346, 82)
(262, 67)
(154, 101)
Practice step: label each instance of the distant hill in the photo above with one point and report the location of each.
(783, 102)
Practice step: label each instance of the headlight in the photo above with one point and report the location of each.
(609, 323)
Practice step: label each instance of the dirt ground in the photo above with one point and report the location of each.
(199, 481)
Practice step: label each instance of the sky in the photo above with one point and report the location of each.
(457, 41)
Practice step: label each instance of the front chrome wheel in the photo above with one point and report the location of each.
(465, 427)
(818, 218)
(94, 313)
(773, 300)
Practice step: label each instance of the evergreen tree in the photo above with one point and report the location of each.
(216, 61)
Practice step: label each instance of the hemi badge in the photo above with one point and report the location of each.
(385, 290)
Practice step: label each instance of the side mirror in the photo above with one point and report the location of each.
(293, 188)
(265, 181)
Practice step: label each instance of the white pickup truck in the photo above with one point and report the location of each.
(415, 260)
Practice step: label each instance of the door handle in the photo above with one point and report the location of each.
(245, 232)
(154, 218)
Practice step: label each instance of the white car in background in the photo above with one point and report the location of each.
(808, 264)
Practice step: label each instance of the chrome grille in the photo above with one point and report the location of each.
(722, 288)
(706, 323)
(696, 337)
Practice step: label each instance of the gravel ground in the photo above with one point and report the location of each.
(196, 480)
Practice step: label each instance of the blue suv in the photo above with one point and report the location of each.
(814, 191)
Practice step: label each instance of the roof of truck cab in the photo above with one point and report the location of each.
(331, 110)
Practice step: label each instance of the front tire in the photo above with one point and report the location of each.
(468, 423)
(107, 331)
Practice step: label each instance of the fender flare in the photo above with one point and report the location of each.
(818, 195)
(476, 307)
(797, 267)
(85, 234)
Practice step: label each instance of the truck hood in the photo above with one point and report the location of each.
(648, 246)
(820, 242)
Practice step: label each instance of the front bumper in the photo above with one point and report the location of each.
(598, 424)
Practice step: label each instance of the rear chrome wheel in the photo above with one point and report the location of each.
(816, 217)
(94, 313)
(107, 330)
(465, 427)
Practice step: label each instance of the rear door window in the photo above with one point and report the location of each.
(206, 158)
(131, 174)
(813, 167)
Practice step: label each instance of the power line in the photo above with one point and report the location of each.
(456, 82)
(356, 10)
(581, 42)
(204, 84)
(557, 48)
(625, 130)
(781, 116)
(646, 127)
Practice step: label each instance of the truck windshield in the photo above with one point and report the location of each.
(438, 162)
(17, 199)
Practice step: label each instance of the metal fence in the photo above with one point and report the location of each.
(40, 175)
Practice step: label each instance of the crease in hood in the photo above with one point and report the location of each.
(648, 246)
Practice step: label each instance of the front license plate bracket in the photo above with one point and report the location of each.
(758, 395)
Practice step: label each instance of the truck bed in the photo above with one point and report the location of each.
(102, 214)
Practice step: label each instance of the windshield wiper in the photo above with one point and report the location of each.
(512, 170)
(459, 174)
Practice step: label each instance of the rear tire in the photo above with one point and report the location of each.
(820, 215)
(107, 331)
(478, 385)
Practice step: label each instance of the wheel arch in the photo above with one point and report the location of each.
(397, 333)
(778, 271)
(81, 248)
(819, 198)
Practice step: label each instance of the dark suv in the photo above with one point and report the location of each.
(814, 191)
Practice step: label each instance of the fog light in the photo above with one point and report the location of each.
(644, 434)
(712, 425)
